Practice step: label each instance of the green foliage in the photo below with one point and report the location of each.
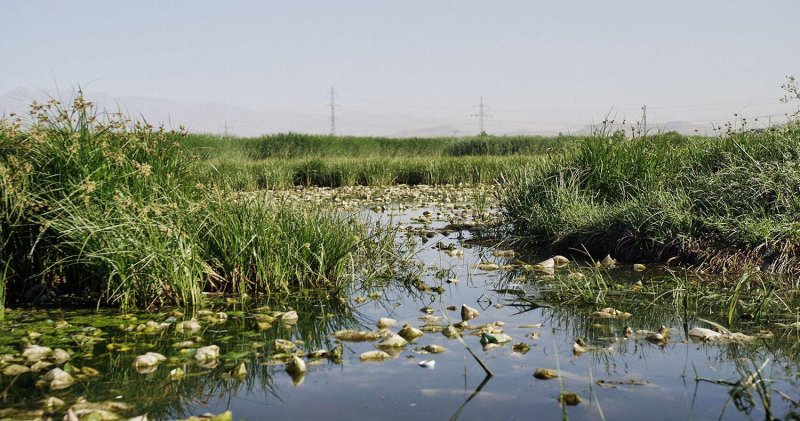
(733, 198)
(296, 145)
(109, 208)
(371, 171)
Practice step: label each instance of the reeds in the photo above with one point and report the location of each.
(295, 145)
(337, 172)
(112, 210)
(726, 202)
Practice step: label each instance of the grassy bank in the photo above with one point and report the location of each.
(284, 160)
(725, 202)
(99, 207)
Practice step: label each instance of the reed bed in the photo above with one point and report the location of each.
(246, 175)
(294, 145)
(97, 206)
(284, 160)
(723, 202)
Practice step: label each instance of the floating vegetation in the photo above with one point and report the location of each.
(266, 345)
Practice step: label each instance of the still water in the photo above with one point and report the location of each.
(617, 378)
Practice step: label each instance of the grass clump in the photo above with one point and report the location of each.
(727, 201)
(100, 206)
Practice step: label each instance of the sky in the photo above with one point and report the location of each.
(549, 65)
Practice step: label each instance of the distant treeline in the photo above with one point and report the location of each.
(296, 145)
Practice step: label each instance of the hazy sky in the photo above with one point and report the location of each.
(552, 64)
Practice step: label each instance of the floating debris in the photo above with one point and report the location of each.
(58, 379)
(385, 323)
(504, 253)
(225, 416)
(434, 349)
(708, 335)
(188, 326)
(639, 267)
(59, 356)
(545, 373)
(52, 404)
(657, 337)
(615, 383)
(392, 340)
(146, 363)
(207, 353)
(240, 371)
(488, 339)
(374, 356)
(410, 332)
(579, 347)
(296, 365)
(283, 345)
(468, 313)
(320, 353)
(608, 262)
(176, 374)
(356, 336)
(451, 332)
(610, 313)
(290, 317)
(430, 364)
(560, 260)
(569, 398)
(35, 353)
(545, 264)
(521, 347)
(15, 370)
(488, 266)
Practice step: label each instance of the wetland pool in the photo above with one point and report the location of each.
(617, 377)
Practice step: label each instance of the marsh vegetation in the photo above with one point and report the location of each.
(309, 276)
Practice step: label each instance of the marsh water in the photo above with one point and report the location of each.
(618, 377)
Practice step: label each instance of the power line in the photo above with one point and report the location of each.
(482, 108)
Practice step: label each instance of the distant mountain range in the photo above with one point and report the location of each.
(217, 117)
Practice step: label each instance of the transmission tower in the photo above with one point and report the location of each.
(333, 111)
(482, 115)
(225, 128)
(644, 120)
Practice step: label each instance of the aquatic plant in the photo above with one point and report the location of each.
(108, 208)
(295, 145)
(723, 202)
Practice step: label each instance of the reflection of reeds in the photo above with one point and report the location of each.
(161, 398)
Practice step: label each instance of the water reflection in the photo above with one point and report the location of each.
(618, 378)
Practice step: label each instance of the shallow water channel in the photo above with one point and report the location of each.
(617, 377)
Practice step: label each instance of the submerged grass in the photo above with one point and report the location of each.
(104, 207)
(726, 202)
(744, 299)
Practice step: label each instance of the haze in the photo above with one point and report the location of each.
(406, 68)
